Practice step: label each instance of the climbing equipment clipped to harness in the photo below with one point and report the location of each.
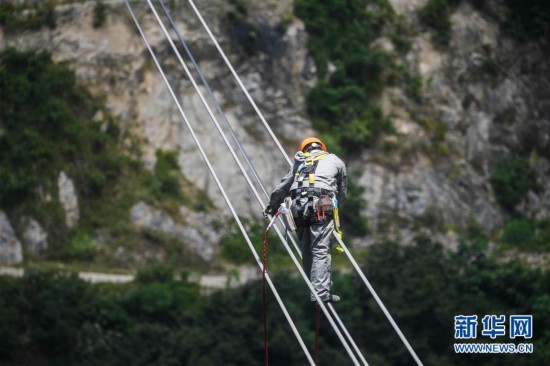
(286, 214)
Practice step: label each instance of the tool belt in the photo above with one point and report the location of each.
(298, 192)
(312, 205)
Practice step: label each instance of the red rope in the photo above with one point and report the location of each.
(264, 302)
(318, 322)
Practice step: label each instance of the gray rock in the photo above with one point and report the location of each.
(197, 233)
(34, 237)
(11, 251)
(68, 199)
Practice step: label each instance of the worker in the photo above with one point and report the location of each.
(316, 184)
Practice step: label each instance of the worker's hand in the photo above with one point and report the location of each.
(339, 249)
(268, 210)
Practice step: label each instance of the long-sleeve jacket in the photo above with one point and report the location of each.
(330, 174)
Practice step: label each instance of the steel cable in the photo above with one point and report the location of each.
(247, 178)
(220, 186)
(348, 253)
(256, 176)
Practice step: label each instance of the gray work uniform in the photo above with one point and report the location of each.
(314, 235)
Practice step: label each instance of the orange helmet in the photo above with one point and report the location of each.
(306, 142)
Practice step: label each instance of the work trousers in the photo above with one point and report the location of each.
(316, 255)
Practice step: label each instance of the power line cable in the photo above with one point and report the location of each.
(247, 178)
(348, 253)
(256, 176)
(211, 95)
(238, 143)
(240, 82)
(220, 186)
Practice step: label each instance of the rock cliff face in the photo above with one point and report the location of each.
(482, 118)
(11, 251)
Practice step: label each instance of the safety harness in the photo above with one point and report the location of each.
(324, 204)
(307, 168)
(327, 204)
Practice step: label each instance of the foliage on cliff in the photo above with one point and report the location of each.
(50, 123)
(343, 103)
(523, 20)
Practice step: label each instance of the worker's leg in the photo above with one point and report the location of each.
(321, 267)
(305, 241)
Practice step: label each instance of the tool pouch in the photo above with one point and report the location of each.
(323, 207)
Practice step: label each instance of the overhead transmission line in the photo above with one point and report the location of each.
(259, 180)
(256, 176)
(220, 186)
(340, 241)
(247, 178)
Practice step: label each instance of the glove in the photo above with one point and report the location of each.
(339, 249)
(268, 210)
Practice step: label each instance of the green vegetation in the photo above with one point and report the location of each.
(512, 178)
(166, 182)
(343, 103)
(235, 250)
(100, 14)
(528, 20)
(48, 127)
(239, 8)
(527, 234)
(243, 31)
(351, 218)
(50, 124)
(523, 20)
(414, 87)
(58, 319)
(81, 247)
(436, 15)
(17, 17)
(401, 36)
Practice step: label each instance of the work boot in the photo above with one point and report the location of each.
(332, 298)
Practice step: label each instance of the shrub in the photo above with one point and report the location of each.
(166, 182)
(436, 16)
(155, 273)
(81, 247)
(341, 104)
(511, 179)
(17, 17)
(414, 87)
(352, 221)
(47, 125)
(235, 249)
(527, 234)
(100, 14)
